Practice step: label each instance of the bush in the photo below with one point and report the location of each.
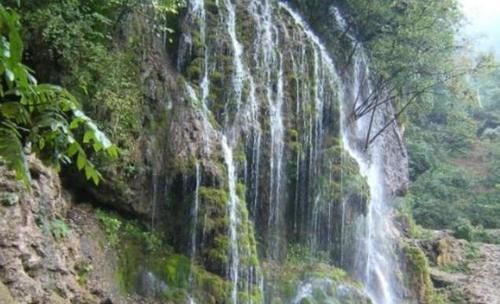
(463, 229)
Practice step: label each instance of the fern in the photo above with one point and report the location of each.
(11, 150)
(43, 117)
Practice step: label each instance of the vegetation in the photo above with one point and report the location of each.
(453, 164)
(418, 276)
(303, 266)
(141, 251)
(40, 118)
(59, 229)
(94, 51)
(414, 53)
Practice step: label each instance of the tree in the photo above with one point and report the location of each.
(40, 118)
(414, 53)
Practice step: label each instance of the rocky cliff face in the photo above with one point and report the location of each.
(51, 250)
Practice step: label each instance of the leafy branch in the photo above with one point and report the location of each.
(41, 118)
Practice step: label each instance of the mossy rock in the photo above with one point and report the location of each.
(418, 275)
(8, 199)
(216, 198)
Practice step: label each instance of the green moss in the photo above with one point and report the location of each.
(175, 270)
(210, 287)
(83, 269)
(418, 276)
(241, 191)
(214, 197)
(352, 181)
(218, 254)
(183, 166)
(286, 279)
(111, 225)
(59, 229)
(195, 69)
(212, 7)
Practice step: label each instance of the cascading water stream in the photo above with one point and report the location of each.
(194, 229)
(378, 271)
(324, 77)
(233, 219)
(240, 73)
(377, 267)
(259, 87)
(270, 62)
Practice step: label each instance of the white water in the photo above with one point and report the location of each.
(325, 76)
(269, 59)
(233, 219)
(239, 70)
(195, 210)
(379, 273)
(194, 229)
(305, 290)
(198, 9)
(379, 268)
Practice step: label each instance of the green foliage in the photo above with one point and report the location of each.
(418, 276)
(463, 229)
(454, 167)
(151, 240)
(408, 40)
(117, 228)
(472, 252)
(44, 117)
(484, 236)
(79, 44)
(140, 250)
(59, 229)
(83, 269)
(111, 225)
(442, 184)
(300, 255)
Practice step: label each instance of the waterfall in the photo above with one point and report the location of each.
(378, 271)
(279, 83)
(377, 267)
(233, 219)
(270, 61)
(194, 229)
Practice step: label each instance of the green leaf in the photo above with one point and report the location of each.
(10, 75)
(43, 114)
(11, 150)
(80, 161)
(73, 149)
(88, 137)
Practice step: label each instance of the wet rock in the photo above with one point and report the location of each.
(150, 286)
(328, 291)
(442, 279)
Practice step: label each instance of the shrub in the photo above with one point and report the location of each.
(463, 229)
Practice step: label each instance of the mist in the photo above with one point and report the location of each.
(483, 24)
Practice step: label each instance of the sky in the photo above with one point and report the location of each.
(484, 23)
